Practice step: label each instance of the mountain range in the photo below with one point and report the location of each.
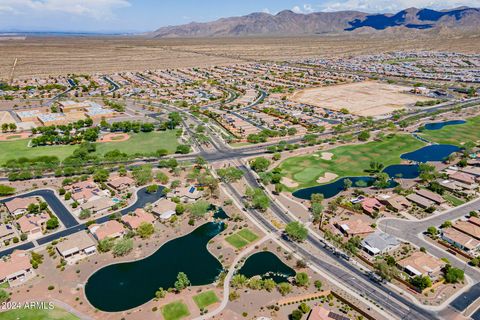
(288, 23)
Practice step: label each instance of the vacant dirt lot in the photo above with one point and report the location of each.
(52, 56)
(366, 98)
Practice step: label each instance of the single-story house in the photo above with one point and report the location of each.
(110, 229)
(121, 184)
(83, 191)
(371, 206)
(98, 205)
(356, 227)
(164, 208)
(133, 221)
(77, 245)
(468, 228)
(396, 203)
(474, 171)
(186, 193)
(420, 201)
(7, 232)
(19, 206)
(320, 313)
(379, 243)
(16, 267)
(474, 220)
(463, 178)
(422, 264)
(32, 224)
(461, 240)
(435, 197)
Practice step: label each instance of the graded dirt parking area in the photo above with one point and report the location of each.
(368, 98)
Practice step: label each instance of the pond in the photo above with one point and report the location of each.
(124, 286)
(330, 190)
(440, 125)
(404, 171)
(267, 265)
(436, 152)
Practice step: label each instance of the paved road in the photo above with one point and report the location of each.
(143, 197)
(352, 277)
(411, 231)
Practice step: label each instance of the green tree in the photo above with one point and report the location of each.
(296, 315)
(183, 149)
(364, 136)
(296, 231)
(85, 214)
(101, 175)
(160, 293)
(301, 279)
(347, 184)
(105, 245)
(230, 174)
(260, 164)
(122, 247)
(269, 284)
(145, 230)
(453, 275)
(284, 288)
(421, 282)
(182, 282)
(318, 284)
(152, 188)
(52, 223)
(258, 198)
(162, 178)
(199, 208)
(432, 231)
(304, 308)
(143, 174)
(238, 281)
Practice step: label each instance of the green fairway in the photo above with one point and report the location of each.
(247, 235)
(37, 314)
(348, 160)
(205, 299)
(236, 241)
(175, 311)
(138, 143)
(456, 135)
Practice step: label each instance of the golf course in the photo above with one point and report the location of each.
(456, 135)
(351, 160)
(138, 143)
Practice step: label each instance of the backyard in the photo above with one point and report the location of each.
(350, 160)
(138, 143)
(456, 135)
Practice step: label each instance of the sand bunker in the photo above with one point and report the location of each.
(327, 177)
(289, 183)
(114, 137)
(327, 156)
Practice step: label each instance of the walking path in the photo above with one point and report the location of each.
(228, 278)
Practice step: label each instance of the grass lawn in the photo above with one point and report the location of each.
(348, 160)
(36, 314)
(236, 241)
(138, 143)
(453, 200)
(205, 299)
(248, 235)
(175, 310)
(456, 135)
(241, 238)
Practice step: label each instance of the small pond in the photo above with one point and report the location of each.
(404, 171)
(330, 190)
(124, 286)
(435, 152)
(267, 265)
(440, 125)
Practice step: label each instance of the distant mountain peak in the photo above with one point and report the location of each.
(287, 22)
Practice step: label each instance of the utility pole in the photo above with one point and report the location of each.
(13, 71)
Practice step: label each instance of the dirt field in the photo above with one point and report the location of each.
(367, 98)
(52, 56)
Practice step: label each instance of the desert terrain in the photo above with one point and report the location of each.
(366, 99)
(39, 56)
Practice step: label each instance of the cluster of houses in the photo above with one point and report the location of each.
(464, 235)
(18, 220)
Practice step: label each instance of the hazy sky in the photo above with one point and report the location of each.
(146, 15)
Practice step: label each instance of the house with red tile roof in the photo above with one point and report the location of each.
(111, 229)
(19, 206)
(468, 228)
(16, 268)
(133, 221)
(371, 206)
(355, 227)
(33, 224)
(121, 184)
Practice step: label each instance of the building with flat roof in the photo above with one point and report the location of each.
(52, 119)
(468, 228)
(461, 240)
(420, 201)
(28, 115)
